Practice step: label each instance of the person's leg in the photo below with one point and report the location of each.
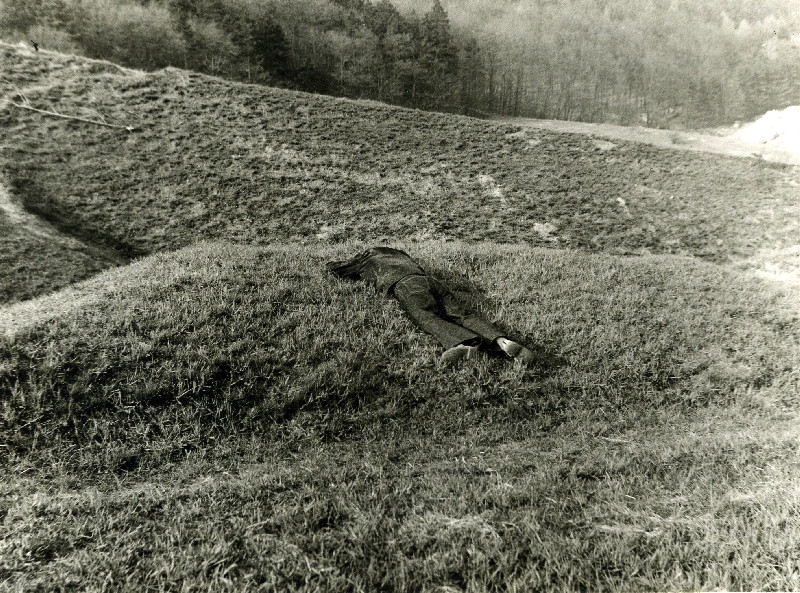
(471, 319)
(464, 315)
(416, 298)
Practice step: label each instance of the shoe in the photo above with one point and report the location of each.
(458, 353)
(517, 352)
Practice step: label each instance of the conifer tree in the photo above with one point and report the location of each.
(270, 47)
(438, 57)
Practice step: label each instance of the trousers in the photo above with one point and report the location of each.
(434, 309)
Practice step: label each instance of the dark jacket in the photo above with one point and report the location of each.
(382, 267)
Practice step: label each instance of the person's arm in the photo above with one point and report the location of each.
(348, 268)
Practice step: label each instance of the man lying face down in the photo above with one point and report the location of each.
(429, 304)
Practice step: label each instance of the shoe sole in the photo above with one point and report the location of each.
(457, 354)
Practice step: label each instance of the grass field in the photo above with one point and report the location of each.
(214, 412)
(210, 159)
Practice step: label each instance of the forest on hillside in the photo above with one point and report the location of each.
(662, 63)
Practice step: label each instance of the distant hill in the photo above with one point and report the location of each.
(212, 159)
(674, 64)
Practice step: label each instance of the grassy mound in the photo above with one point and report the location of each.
(247, 421)
(211, 159)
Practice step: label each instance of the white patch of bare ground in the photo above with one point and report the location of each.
(777, 128)
(778, 146)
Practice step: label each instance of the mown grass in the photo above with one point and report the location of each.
(229, 417)
(469, 513)
(211, 159)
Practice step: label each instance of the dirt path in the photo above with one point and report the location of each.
(666, 139)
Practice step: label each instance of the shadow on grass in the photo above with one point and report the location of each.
(37, 200)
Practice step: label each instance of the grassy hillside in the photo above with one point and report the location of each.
(249, 420)
(211, 159)
(214, 412)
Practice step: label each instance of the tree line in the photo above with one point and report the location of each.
(658, 62)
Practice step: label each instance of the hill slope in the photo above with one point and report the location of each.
(214, 159)
(248, 420)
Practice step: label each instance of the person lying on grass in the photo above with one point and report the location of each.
(430, 305)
